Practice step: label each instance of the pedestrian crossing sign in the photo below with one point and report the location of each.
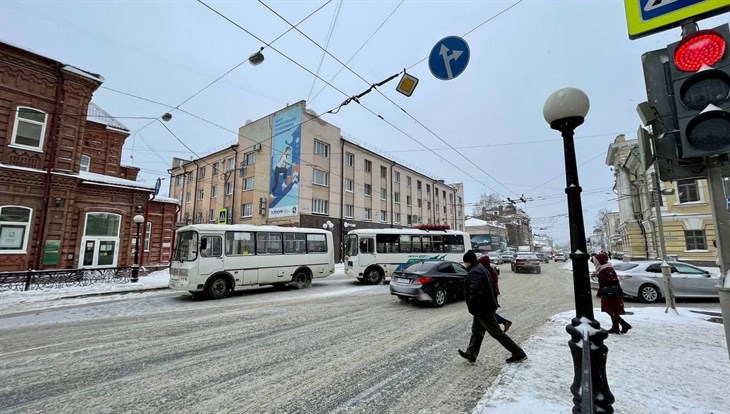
(646, 17)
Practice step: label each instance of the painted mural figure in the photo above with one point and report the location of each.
(282, 169)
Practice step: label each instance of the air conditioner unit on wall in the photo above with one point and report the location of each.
(257, 147)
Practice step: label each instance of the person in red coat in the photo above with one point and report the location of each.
(612, 304)
(484, 260)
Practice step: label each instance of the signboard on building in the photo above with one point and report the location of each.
(286, 140)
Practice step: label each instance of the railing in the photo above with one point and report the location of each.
(50, 279)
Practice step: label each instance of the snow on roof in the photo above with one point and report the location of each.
(163, 199)
(85, 74)
(116, 181)
(475, 222)
(98, 115)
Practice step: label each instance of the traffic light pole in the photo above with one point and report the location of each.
(666, 270)
(722, 233)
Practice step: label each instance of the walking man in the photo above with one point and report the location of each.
(482, 305)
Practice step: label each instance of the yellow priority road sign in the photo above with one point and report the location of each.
(646, 17)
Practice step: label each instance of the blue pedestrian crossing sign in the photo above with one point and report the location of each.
(645, 17)
(449, 57)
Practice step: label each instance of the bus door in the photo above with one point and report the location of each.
(366, 257)
(210, 259)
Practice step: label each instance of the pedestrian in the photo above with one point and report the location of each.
(486, 262)
(482, 305)
(609, 290)
(609, 255)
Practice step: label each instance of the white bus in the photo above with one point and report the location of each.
(371, 255)
(214, 259)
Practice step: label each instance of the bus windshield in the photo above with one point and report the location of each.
(351, 246)
(186, 248)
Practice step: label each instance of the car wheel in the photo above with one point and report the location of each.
(539, 271)
(438, 297)
(217, 288)
(300, 280)
(649, 294)
(373, 276)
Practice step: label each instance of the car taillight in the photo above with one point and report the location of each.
(424, 279)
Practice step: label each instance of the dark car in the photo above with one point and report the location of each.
(543, 257)
(434, 281)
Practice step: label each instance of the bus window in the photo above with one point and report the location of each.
(386, 243)
(426, 242)
(453, 243)
(367, 245)
(405, 243)
(416, 244)
(295, 243)
(268, 243)
(210, 246)
(239, 243)
(186, 243)
(316, 243)
(437, 244)
(351, 248)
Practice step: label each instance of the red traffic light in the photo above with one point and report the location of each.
(705, 47)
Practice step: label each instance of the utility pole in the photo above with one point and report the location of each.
(722, 232)
(666, 270)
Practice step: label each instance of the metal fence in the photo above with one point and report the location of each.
(51, 279)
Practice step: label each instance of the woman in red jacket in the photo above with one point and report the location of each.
(609, 290)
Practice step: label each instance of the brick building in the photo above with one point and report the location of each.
(65, 199)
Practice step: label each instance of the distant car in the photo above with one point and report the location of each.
(434, 281)
(507, 257)
(543, 257)
(560, 257)
(526, 262)
(495, 258)
(644, 280)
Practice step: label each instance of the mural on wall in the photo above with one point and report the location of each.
(285, 168)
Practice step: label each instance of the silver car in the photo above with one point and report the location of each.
(495, 258)
(644, 280)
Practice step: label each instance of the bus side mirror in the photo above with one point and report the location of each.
(203, 244)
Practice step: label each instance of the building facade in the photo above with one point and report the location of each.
(65, 199)
(291, 168)
(486, 236)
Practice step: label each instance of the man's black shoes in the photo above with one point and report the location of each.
(467, 356)
(516, 358)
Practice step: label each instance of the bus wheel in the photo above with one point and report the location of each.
(300, 280)
(217, 288)
(373, 276)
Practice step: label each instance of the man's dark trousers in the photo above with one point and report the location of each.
(488, 323)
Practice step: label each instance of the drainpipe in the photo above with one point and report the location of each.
(235, 176)
(392, 206)
(195, 191)
(144, 224)
(50, 164)
(342, 199)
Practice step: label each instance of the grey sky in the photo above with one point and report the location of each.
(168, 50)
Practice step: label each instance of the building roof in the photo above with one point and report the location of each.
(475, 222)
(100, 116)
(69, 68)
(94, 178)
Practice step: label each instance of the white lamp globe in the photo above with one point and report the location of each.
(566, 103)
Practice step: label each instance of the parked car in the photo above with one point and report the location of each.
(495, 258)
(543, 257)
(434, 281)
(559, 257)
(644, 280)
(526, 262)
(507, 257)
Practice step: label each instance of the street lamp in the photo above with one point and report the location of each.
(565, 110)
(138, 220)
(328, 225)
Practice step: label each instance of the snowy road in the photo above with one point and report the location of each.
(335, 347)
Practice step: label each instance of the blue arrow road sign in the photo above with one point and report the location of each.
(449, 57)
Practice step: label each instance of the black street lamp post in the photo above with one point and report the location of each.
(565, 110)
(138, 220)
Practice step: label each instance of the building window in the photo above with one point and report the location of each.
(201, 173)
(248, 184)
(14, 228)
(428, 205)
(444, 193)
(688, 191)
(408, 181)
(396, 198)
(408, 200)
(215, 168)
(320, 148)
(187, 196)
(147, 236)
(85, 164)
(451, 198)
(213, 192)
(444, 209)
(383, 194)
(321, 178)
(179, 180)
(199, 217)
(349, 185)
(428, 188)
(368, 214)
(211, 215)
(695, 239)
(383, 216)
(459, 200)
(368, 190)
(320, 206)
(349, 159)
(396, 177)
(418, 184)
(409, 219)
(29, 128)
(436, 191)
(419, 202)
(368, 166)
(396, 218)
(230, 164)
(249, 158)
(229, 188)
(201, 194)
(246, 210)
(243, 171)
(383, 172)
(349, 211)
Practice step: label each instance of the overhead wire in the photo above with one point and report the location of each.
(327, 42)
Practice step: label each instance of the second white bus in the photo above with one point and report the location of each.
(372, 255)
(213, 259)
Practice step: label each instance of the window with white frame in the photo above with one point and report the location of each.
(201, 173)
(419, 202)
(248, 184)
(320, 206)
(688, 191)
(211, 215)
(396, 198)
(396, 177)
(215, 168)
(243, 171)
(213, 191)
(321, 178)
(85, 163)
(409, 200)
(349, 211)
(428, 188)
(383, 172)
(418, 184)
(349, 185)
(201, 194)
(147, 236)
(249, 158)
(408, 181)
(349, 159)
(396, 218)
(29, 129)
(229, 188)
(179, 180)
(247, 210)
(383, 216)
(14, 228)
(230, 164)
(368, 166)
(320, 148)
(383, 194)
(368, 214)
(368, 189)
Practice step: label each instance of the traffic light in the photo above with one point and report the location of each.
(699, 70)
(262, 206)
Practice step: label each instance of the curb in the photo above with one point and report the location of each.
(116, 292)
